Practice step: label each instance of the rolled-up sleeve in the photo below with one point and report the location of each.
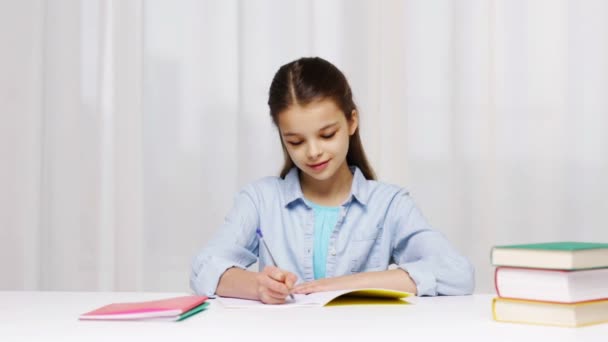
(234, 245)
(428, 257)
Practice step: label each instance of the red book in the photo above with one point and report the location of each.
(168, 309)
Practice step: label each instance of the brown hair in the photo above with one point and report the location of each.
(310, 79)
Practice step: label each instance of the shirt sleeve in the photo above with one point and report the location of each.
(430, 260)
(234, 245)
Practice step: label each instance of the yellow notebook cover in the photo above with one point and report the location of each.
(370, 297)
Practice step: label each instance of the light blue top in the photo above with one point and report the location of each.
(326, 219)
(378, 225)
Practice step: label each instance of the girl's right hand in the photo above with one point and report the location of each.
(274, 285)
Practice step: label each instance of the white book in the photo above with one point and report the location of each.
(552, 285)
(367, 296)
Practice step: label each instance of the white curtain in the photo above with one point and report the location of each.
(126, 127)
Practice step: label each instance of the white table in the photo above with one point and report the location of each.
(52, 316)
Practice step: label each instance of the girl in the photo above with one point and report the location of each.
(327, 222)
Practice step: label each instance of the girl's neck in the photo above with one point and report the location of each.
(330, 192)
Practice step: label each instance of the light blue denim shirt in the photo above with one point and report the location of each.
(378, 225)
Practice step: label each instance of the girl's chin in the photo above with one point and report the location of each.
(318, 175)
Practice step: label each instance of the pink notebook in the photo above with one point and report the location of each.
(165, 308)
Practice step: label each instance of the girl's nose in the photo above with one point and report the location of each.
(314, 151)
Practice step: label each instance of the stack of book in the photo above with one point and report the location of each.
(558, 283)
(168, 309)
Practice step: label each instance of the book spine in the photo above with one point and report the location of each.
(492, 256)
(496, 281)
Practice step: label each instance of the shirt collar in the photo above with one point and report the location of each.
(293, 191)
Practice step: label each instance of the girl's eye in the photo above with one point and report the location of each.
(328, 136)
(294, 143)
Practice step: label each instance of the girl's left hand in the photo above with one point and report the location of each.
(397, 279)
(325, 284)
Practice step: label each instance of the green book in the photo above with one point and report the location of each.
(193, 312)
(552, 255)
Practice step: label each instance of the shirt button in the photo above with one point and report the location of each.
(333, 251)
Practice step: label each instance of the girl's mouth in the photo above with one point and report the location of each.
(319, 166)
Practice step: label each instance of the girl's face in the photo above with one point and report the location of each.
(316, 137)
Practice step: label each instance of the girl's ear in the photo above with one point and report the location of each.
(353, 123)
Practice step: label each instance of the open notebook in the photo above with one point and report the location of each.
(367, 296)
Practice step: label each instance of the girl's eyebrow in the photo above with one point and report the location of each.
(289, 134)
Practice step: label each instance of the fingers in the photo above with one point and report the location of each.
(303, 289)
(274, 285)
(267, 298)
(271, 291)
(275, 273)
(290, 280)
(282, 276)
(310, 287)
(265, 291)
